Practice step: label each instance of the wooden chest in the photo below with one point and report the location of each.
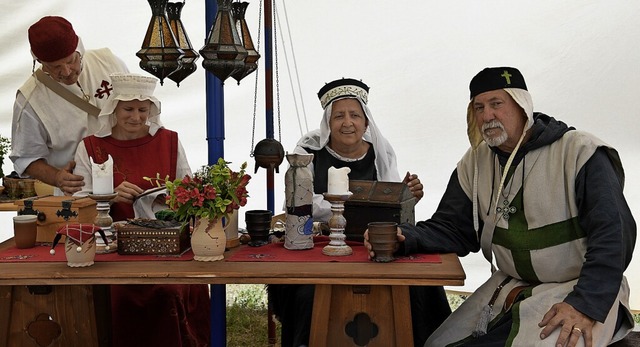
(144, 236)
(56, 211)
(375, 201)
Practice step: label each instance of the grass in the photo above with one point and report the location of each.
(247, 315)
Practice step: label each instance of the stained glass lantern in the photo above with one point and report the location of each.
(250, 62)
(223, 53)
(160, 54)
(188, 60)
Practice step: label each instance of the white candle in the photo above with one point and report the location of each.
(338, 181)
(102, 175)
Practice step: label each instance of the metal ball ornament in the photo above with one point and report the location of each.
(269, 154)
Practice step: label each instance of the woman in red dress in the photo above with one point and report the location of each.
(131, 133)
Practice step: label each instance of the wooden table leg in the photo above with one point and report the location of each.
(402, 313)
(5, 314)
(102, 307)
(54, 316)
(320, 315)
(361, 315)
(271, 327)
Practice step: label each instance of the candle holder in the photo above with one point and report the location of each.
(337, 246)
(105, 222)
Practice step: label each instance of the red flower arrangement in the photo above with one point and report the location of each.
(213, 191)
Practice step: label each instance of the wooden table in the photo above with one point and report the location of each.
(8, 206)
(379, 290)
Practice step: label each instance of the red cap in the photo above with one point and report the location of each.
(52, 38)
(78, 233)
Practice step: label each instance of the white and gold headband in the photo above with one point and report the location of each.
(341, 88)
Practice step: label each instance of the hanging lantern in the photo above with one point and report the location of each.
(269, 154)
(160, 53)
(250, 62)
(223, 53)
(188, 61)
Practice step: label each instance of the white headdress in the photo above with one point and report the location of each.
(127, 87)
(385, 161)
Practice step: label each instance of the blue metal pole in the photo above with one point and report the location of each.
(215, 100)
(268, 79)
(215, 145)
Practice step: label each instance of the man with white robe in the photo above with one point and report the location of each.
(547, 202)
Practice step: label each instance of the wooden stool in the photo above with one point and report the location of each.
(347, 315)
(55, 316)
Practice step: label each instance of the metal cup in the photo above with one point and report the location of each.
(383, 239)
(258, 226)
(25, 230)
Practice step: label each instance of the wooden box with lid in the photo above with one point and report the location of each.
(377, 201)
(152, 237)
(56, 211)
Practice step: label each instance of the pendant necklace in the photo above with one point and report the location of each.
(500, 210)
(505, 210)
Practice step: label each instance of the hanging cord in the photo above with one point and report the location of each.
(487, 233)
(255, 88)
(295, 66)
(275, 55)
(508, 165)
(297, 75)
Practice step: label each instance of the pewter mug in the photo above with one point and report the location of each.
(383, 239)
(258, 226)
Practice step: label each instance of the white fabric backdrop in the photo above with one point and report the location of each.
(580, 59)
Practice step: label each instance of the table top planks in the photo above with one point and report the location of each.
(449, 272)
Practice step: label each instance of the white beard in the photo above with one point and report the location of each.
(497, 140)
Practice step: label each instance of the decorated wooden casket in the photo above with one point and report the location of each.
(376, 201)
(152, 236)
(56, 211)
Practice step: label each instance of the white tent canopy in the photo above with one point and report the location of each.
(580, 60)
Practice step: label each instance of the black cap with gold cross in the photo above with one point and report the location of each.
(492, 78)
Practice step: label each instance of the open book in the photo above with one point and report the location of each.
(149, 202)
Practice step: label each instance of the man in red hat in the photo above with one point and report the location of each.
(58, 104)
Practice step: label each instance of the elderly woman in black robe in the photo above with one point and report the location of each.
(349, 137)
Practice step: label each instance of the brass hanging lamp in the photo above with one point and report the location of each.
(160, 54)
(223, 53)
(188, 61)
(250, 62)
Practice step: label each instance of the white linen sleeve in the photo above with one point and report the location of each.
(182, 165)
(29, 138)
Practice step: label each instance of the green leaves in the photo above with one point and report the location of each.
(213, 191)
(5, 148)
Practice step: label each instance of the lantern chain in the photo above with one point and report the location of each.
(255, 89)
(275, 54)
